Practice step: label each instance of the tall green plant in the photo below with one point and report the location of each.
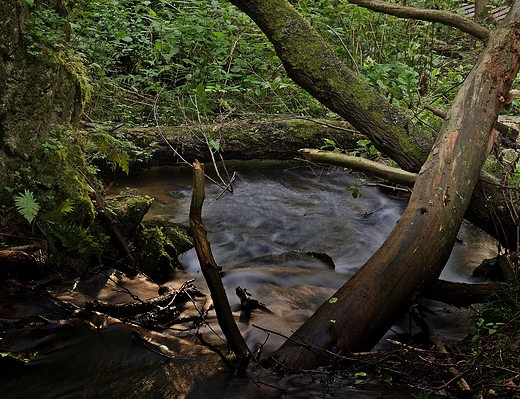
(152, 58)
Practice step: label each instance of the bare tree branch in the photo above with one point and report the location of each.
(424, 14)
(378, 169)
(211, 271)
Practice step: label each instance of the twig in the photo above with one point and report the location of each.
(457, 376)
(403, 345)
(148, 345)
(112, 226)
(344, 47)
(217, 351)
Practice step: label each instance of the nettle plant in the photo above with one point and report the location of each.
(44, 28)
(179, 60)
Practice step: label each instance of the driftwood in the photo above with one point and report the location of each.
(248, 304)
(211, 271)
(378, 169)
(160, 310)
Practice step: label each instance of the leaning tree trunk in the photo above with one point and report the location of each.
(414, 254)
(313, 65)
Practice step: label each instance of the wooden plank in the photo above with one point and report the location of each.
(499, 13)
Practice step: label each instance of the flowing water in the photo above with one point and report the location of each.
(261, 235)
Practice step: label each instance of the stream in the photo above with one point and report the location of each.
(264, 236)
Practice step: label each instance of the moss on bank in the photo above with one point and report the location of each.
(156, 244)
(159, 245)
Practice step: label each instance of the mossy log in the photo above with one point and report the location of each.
(241, 139)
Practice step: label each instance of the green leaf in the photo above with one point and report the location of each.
(423, 395)
(333, 300)
(214, 144)
(30, 2)
(67, 206)
(27, 205)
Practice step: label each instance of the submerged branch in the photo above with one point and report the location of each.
(113, 229)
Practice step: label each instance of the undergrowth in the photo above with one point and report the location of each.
(158, 62)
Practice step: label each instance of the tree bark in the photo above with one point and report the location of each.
(211, 271)
(413, 256)
(441, 16)
(360, 164)
(313, 65)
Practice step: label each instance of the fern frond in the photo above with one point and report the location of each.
(27, 205)
(67, 206)
(73, 237)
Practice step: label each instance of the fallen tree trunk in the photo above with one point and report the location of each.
(245, 139)
(414, 254)
(463, 295)
(313, 65)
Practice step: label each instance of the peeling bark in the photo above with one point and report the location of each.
(415, 252)
(313, 65)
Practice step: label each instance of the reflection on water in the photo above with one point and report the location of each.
(274, 211)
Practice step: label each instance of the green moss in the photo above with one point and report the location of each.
(129, 208)
(158, 248)
(494, 168)
(58, 169)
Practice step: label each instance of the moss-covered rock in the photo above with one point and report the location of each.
(156, 243)
(159, 245)
(129, 208)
